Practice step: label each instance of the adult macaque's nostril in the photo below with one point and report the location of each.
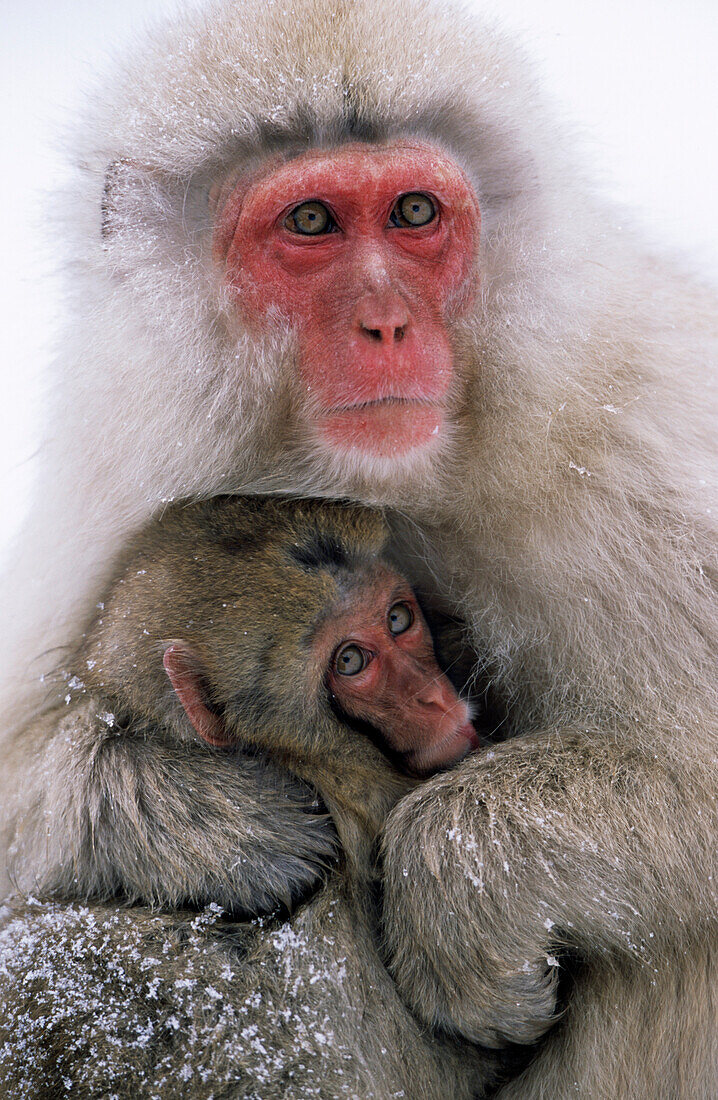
(385, 333)
(382, 318)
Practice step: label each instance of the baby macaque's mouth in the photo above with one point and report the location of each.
(442, 754)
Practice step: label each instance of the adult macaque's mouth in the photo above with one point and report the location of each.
(385, 428)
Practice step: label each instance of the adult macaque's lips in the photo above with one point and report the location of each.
(385, 428)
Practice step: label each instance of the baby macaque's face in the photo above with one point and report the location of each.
(381, 668)
(369, 649)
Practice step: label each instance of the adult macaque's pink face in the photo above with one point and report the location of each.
(367, 251)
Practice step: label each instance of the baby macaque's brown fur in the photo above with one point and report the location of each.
(139, 809)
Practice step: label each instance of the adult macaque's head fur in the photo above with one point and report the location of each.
(249, 82)
(561, 311)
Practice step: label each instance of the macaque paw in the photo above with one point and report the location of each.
(468, 940)
(484, 1001)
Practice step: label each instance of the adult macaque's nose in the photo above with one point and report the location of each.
(382, 317)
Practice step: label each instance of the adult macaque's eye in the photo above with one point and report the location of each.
(400, 618)
(413, 210)
(309, 219)
(350, 660)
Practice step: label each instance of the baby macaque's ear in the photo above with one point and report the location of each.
(183, 668)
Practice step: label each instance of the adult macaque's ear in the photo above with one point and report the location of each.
(123, 178)
(113, 181)
(183, 668)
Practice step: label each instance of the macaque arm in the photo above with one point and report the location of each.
(107, 812)
(542, 845)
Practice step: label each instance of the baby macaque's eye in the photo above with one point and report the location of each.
(350, 660)
(400, 618)
(413, 210)
(310, 219)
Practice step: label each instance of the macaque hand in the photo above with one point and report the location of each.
(524, 849)
(161, 822)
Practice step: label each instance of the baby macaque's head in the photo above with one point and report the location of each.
(278, 624)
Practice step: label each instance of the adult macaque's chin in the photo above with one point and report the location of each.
(443, 753)
(386, 429)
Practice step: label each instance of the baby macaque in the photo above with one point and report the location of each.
(248, 653)
(328, 620)
(277, 632)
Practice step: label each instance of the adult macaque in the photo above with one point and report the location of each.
(273, 623)
(341, 249)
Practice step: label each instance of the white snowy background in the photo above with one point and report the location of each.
(638, 76)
